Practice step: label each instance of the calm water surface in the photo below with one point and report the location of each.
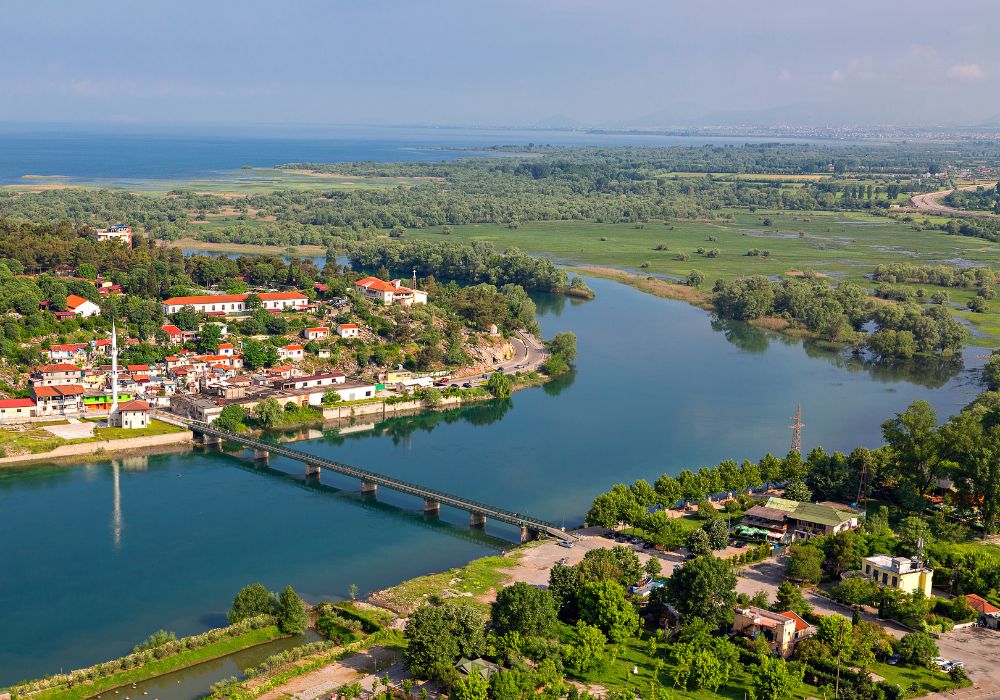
(95, 558)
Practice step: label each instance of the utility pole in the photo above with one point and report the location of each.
(797, 426)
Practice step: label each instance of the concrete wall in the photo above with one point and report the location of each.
(381, 408)
(107, 446)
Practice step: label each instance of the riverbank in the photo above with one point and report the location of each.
(159, 437)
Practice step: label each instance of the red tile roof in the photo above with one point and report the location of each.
(50, 391)
(318, 329)
(980, 604)
(16, 403)
(134, 406)
(800, 624)
(346, 326)
(233, 298)
(73, 301)
(293, 347)
(171, 330)
(138, 368)
(60, 367)
(377, 284)
(225, 346)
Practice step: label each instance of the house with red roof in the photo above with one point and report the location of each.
(782, 631)
(13, 410)
(57, 375)
(82, 307)
(58, 400)
(222, 304)
(291, 353)
(316, 333)
(388, 293)
(227, 349)
(348, 330)
(989, 614)
(132, 415)
(175, 336)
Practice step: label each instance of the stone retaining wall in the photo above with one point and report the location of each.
(104, 446)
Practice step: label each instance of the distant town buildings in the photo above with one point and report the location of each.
(387, 293)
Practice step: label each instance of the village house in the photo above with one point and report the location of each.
(989, 614)
(311, 381)
(348, 330)
(388, 293)
(781, 630)
(58, 375)
(318, 333)
(175, 336)
(79, 306)
(292, 353)
(114, 232)
(236, 303)
(227, 349)
(13, 410)
(132, 415)
(58, 400)
(903, 574)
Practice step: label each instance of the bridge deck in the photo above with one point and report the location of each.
(505, 516)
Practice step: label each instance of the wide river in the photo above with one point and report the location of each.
(94, 558)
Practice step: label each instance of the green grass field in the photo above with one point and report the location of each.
(842, 246)
(34, 439)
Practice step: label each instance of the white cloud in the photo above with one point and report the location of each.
(784, 75)
(967, 71)
(836, 76)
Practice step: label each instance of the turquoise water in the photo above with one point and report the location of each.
(657, 388)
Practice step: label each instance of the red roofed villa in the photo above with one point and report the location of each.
(389, 292)
(236, 303)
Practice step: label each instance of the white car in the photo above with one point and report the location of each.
(939, 661)
(565, 543)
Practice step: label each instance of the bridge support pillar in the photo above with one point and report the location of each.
(368, 487)
(210, 441)
(432, 507)
(312, 470)
(477, 520)
(528, 535)
(261, 456)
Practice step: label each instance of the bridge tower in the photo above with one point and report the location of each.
(797, 426)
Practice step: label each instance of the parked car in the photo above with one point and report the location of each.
(565, 543)
(939, 661)
(893, 660)
(467, 386)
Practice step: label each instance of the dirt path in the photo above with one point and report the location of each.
(931, 202)
(360, 667)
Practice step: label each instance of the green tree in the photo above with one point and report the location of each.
(564, 345)
(588, 651)
(257, 354)
(604, 605)
(471, 687)
(499, 385)
(441, 635)
(695, 278)
(704, 587)
(292, 615)
(231, 418)
(268, 412)
(253, 302)
(805, 563)
(772, 679)
(914, 445)
(789, 597)
(718, 533)
(798, 491)
(916, 649)
(699, 543)
(251, 601)
(837, 633)
(525, 609)
(564, 585)
(668, 491)
(209, 338)
(331, 397)
(619, 564)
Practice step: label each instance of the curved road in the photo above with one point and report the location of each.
(931, 203)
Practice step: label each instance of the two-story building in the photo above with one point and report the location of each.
(902, 573)
(64, 400)
(792, 520)
(392, 292)
(781, 630)
(132, 415)
(311, 381)
(236, 303)
(291, 353)
(58, 375)
(114, 232)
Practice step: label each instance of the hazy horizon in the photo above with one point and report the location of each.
(634, 64)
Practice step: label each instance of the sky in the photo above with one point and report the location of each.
(639, 63)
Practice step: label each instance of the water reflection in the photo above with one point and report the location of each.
(744, 336)
(560, 384)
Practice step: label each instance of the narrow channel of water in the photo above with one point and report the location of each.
(95, 558)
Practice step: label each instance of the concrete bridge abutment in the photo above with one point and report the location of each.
(312, 471)
(432, 507)
(261, 456)
(477, 520)
(369, 488)
(529, 535)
